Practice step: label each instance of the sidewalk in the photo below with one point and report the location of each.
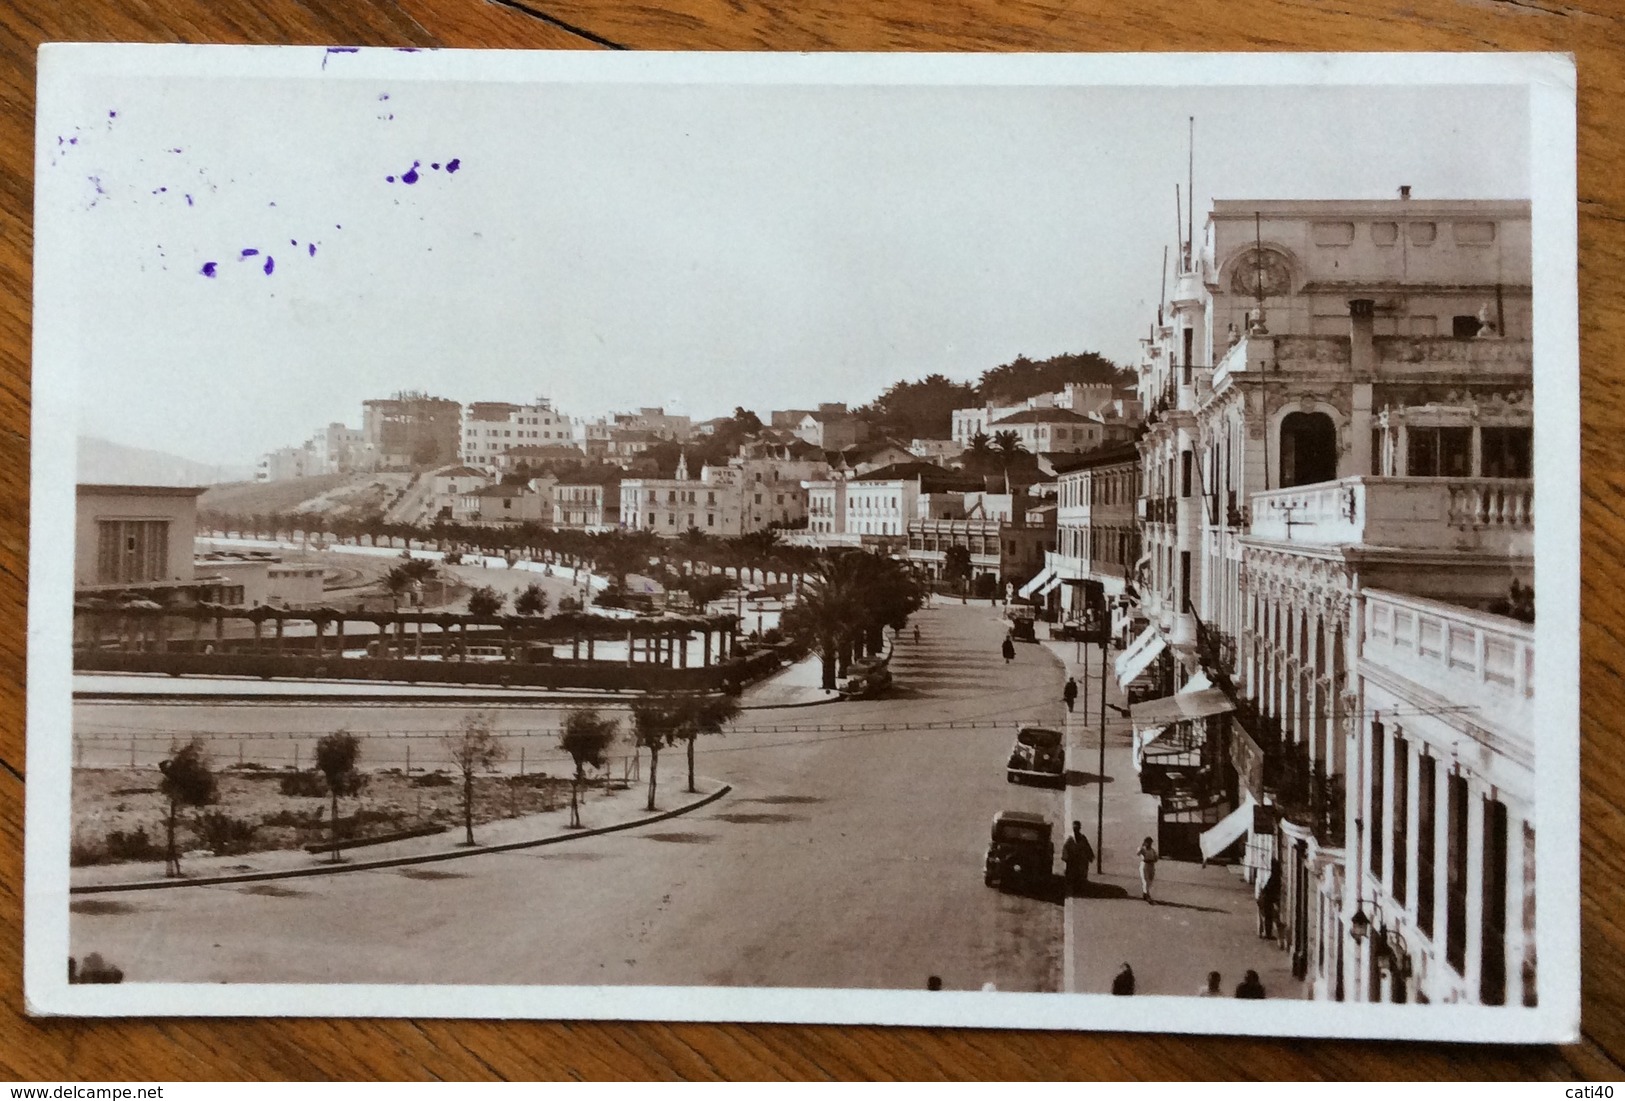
(602, 810)
(1205, 918)
(797, 685)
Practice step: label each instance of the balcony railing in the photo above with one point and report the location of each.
(1393, 355)
(1494, 515)
(1458, 654)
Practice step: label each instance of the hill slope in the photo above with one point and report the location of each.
(104, 462)
(350, 496)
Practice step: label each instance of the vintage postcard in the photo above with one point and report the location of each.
(1039, 541)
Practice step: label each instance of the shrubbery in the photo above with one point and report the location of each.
(304, 785)
(224, 835)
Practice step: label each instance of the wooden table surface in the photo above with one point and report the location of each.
(1594, 30)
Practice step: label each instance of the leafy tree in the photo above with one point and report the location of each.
(1021, 378)
(704, 588)
(397, 583)
(533, 601)
(956, 565)
(336, 755)
(919, 410)
(473, 748)
(485, 601)
(705, 715)
(656, 722)
(188, 782)
(586, 737)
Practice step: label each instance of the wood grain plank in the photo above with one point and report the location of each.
(308, 1049)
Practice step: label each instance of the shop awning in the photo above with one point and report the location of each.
(1054, 583)
(1197, 682)
(1140, 653)
(1181, 707)
(1044, 577)
(1228, 830)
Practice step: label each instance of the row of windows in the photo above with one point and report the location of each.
(507, 433)
(1390, 850)
(1334, 234)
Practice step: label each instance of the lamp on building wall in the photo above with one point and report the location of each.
(1388, 947)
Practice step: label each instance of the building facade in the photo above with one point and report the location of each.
(1097, 532)
(491, 429)
(587, 505)
(1338, 404)
(412, 430)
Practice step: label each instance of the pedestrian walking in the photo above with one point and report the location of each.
(1076, 856)
(1009, 650)
(1269, 901)
(1211, 990)
(916, 634)
(1070, 693)
(1148, 867)
(1250, 987)
(1124, 982)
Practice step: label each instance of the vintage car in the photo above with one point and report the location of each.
(1039, 756)
(1021, 852)
(1022, 619)
(865, 678)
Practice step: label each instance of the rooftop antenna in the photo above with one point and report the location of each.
(1162, 288)
(1258, 270)
(1179, 226)
(1190, 195)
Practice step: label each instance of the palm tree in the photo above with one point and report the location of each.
(979, 455)
(1007, 444)
(829, 610)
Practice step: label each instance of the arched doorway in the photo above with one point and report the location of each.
(1308, 449)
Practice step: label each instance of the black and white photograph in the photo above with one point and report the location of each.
(1036, 541)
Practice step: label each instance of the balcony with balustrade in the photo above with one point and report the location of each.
(1483, 515)
(1393, 357)
(1456, 653)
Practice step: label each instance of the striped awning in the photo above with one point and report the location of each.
(1140, 654)
(1228, 830)
(1181, 707)
(1045, 576)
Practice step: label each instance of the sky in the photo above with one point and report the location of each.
(695, 246)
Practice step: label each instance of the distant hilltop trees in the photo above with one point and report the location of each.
(923, 409)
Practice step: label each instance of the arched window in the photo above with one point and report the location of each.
(1308, 449)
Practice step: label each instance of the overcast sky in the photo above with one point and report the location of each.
(699, 247)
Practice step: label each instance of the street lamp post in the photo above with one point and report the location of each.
(1100, 772)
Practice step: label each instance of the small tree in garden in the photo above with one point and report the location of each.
(485, 601)
(474, 748)
(706, 715)
(336, 755)
(656, 721)
(188, 782)
(587, 737)
(533, 601)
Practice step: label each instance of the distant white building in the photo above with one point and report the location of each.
(492, 428)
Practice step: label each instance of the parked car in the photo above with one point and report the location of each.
(1039, 756)
(864, 679)
(1021, 851)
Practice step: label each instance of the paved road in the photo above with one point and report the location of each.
(844, 858)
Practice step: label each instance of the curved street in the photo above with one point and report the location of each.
(843, 858)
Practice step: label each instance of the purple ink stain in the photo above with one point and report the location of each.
(112, 114)
(97, 181)
(292, 242)
(73, 141)
(389, 179)
(175, 150)
(208, 269)
(270, 265)
(410, 176)
(312, 250)
(382, 96)
(408, 49)
(454, 164)
(188, 200)
(251, 252)
(435, 166)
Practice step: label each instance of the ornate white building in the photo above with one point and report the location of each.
(1339, 407)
